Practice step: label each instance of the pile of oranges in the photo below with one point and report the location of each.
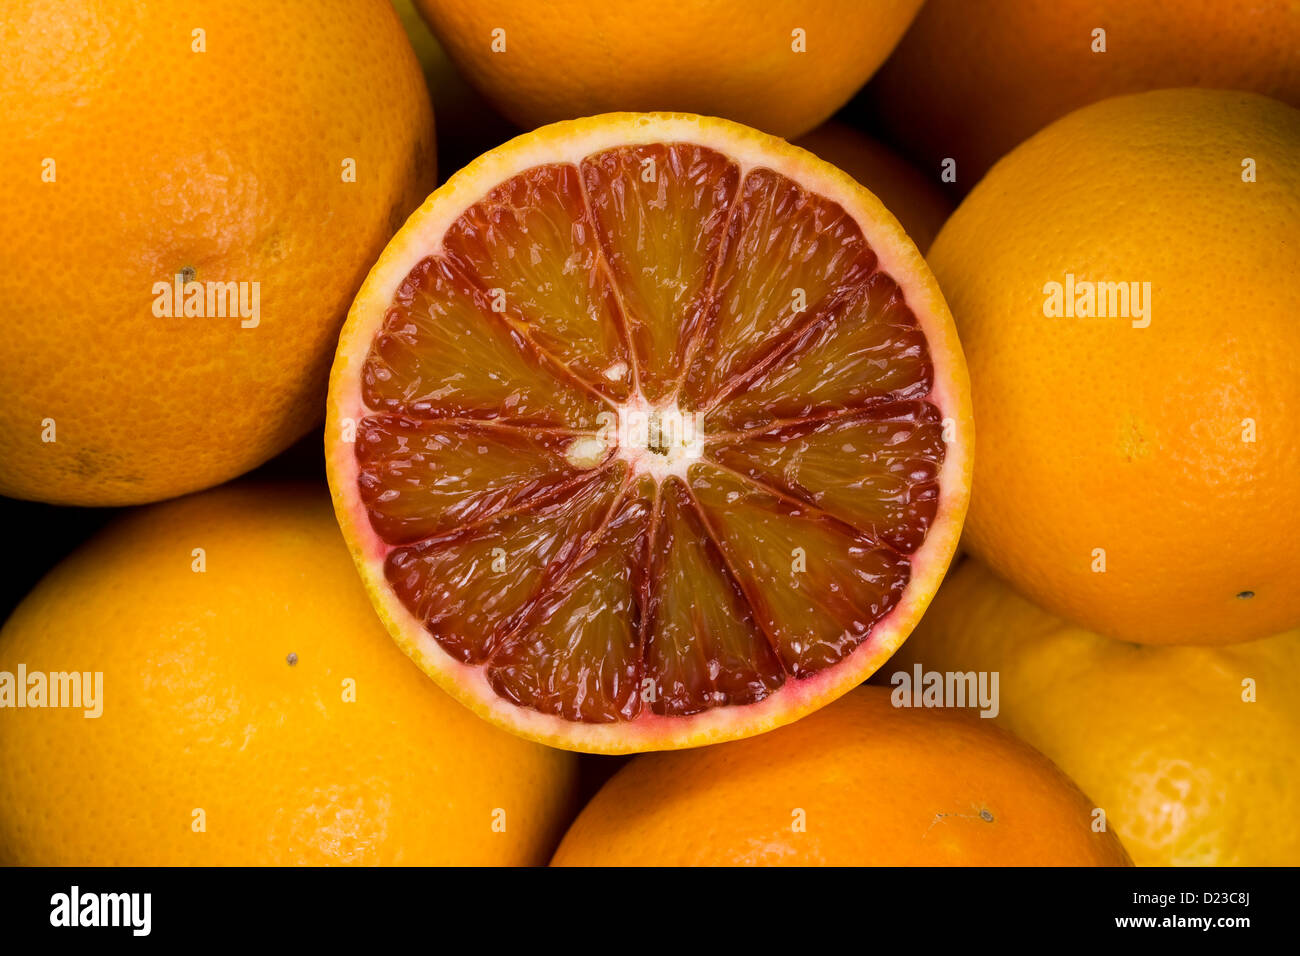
(1108, 194)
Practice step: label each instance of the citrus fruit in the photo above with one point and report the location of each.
(860, 783)
(972, 80)
(1189, 750)
(151, 147)
(918, 202)
(782, 67)
(1138, 468)
(252, 710)
(648, 431)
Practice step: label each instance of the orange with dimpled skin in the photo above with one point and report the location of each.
(1138, 472)
(542, 62)
(147, 140)
(860, 783)
(253, 711)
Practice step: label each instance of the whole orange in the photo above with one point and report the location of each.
(274, 146)
(860, 782)
(1190, 750)
(252, 711)
(972, 80)
(780, 66)
(1137, 471)
(917, 200)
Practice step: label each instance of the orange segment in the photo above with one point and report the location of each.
(467, 586)
(865, 348)
(704, 647)
(815, 585)
(444, 352)
(529, 245)
(578, 653)
(419, 479)
(736, 531)
(789, 255)
(877, 471)
(661, 211)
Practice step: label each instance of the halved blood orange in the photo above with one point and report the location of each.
(649, 431)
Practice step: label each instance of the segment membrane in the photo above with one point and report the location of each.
(531, 247)
(815, 585)
(877, 471)
(421, 478)
(660, 211)
(468, 587)
(444, 354)
(577, 655)
(704, 647)
(789, 255)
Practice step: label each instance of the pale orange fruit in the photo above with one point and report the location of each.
(860, 783)
(252, 710)
(1138, 468)
(263, 151)
(649, 431)
(1189, 750)
(780, 66)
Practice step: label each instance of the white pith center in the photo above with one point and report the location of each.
(656, 440)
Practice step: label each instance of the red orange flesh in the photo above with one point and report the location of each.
(649, 431)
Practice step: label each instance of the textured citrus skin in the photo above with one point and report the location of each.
(972, 80)
(228, 162)
(1187, 771)
(875, 785)
(918, 202)
(202, 709)
(1102, 437)
(571, 58)
(569, 141)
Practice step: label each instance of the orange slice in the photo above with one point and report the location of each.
(649, 431)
